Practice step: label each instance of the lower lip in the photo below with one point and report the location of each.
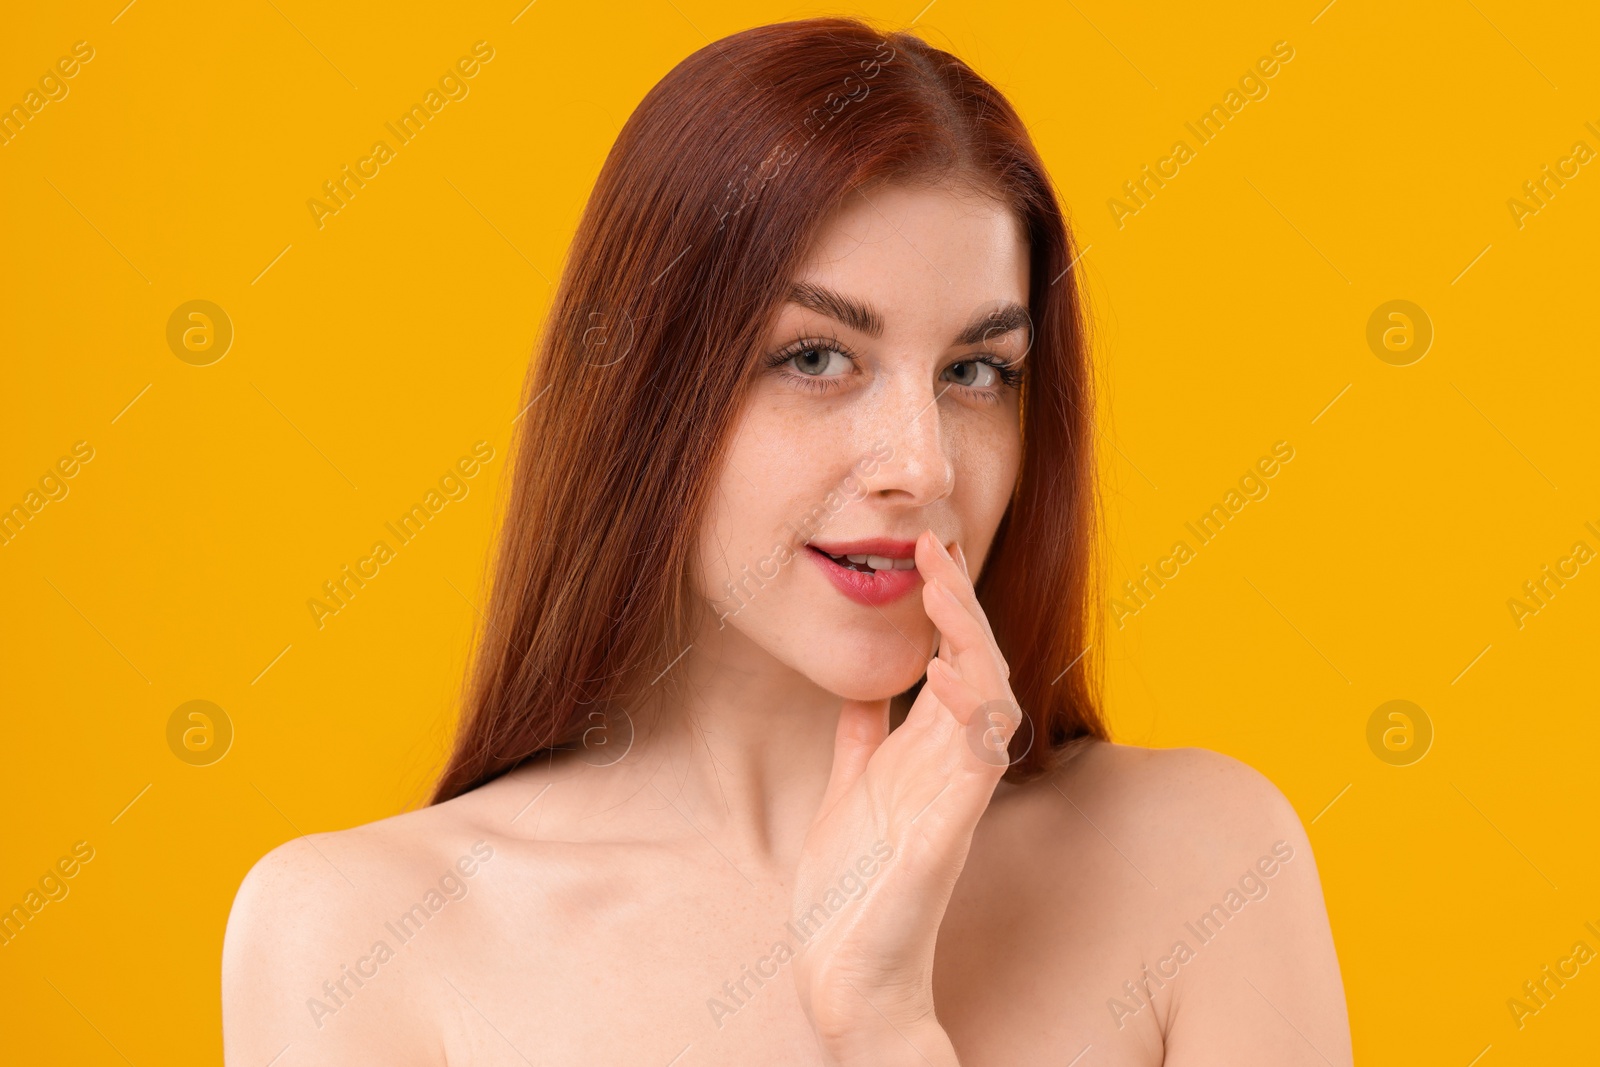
(873, 590)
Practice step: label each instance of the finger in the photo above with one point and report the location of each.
(936, 564)
(863, 725)
(974, 654)
(953, 692)
(970, 588)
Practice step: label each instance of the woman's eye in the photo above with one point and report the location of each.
(974, 374)
(818, 362)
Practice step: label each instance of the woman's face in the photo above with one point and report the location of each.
(887, 405)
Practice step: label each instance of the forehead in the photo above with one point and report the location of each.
(924, 253)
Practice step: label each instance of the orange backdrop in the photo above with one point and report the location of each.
(1370, 267)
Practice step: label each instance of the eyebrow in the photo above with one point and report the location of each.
(863, 318)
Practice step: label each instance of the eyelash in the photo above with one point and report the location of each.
(1009, 375)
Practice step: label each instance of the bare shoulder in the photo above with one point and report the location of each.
(322, 922)
(1193, 801)
(1225, 872)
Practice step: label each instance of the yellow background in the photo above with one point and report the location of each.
(375, 351)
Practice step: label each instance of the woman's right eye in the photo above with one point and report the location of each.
(818, 361)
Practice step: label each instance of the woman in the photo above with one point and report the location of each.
(782, 743)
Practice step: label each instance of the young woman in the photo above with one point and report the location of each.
(782, 743)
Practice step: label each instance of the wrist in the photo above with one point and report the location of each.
(878, 1043)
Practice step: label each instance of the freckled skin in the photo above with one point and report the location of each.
(628, 902)
(928, 261)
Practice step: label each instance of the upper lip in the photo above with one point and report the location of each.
(886, 547)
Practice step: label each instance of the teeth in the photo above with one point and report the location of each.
(877, 563)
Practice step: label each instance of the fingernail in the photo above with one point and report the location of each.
(961, 557)
(945, 552)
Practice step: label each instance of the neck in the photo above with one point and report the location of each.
(741, 745)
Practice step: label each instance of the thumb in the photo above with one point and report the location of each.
(863, 725)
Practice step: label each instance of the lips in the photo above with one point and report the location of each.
(882, 570)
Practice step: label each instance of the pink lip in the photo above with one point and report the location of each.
(873, 590)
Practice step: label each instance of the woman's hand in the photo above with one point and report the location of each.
(890, 838)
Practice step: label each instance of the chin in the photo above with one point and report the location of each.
(872, 672)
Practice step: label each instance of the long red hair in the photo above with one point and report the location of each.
(701, 217)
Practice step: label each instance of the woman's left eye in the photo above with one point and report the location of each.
(974, 374)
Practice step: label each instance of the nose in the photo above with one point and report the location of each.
(908, 424)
